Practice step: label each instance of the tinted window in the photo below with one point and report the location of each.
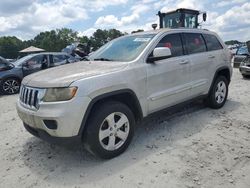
(172, 41)
(212, 42)
(194, 43)
(37, 60)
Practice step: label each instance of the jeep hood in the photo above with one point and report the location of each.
(64, 75)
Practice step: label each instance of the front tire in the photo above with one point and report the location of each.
(10, 86)
(110, 129)
(218, 94)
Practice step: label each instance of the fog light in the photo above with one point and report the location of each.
(50, 124)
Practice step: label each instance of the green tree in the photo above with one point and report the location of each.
(232, 42)
(10, 46)
(137, 31)
(101, 37)
(55, 40)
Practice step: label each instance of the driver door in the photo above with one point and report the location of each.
(168, 80)
(33, 65)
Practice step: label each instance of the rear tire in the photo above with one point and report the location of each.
(10, 86)
(110, 129)
(218, 93)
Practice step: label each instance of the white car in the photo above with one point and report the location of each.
(99, 102)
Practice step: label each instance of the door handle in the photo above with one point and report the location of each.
(211, 56)
(183, 62)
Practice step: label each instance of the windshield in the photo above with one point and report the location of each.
(22, 60)
(3, 61)
(122, 49)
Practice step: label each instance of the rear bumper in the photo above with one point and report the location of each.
(244, 70)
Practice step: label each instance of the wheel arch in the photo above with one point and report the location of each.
(11, 76)
(126, 96)
(222, 71)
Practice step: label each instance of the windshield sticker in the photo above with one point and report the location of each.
(141, 39)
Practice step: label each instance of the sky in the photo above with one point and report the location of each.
(27, 18)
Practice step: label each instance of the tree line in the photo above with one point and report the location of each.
(55, 41)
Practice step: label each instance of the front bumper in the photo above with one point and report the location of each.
(51, 139)
(245, 70)
(68, 116)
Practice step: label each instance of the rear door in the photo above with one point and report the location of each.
(168, 79)
(200, 62)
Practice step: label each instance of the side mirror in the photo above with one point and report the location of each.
(160, 53)
(204, 16)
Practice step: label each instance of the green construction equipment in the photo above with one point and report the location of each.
(186, 18)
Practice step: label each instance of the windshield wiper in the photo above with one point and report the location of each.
(102, 59)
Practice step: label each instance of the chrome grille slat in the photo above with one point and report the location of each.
(29, 97)
(26, 96)
(23, 94)
(32, 98)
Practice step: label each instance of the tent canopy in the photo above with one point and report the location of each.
(32, 49)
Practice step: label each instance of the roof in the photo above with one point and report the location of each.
(32, 49)
(185, 10)
(163, 30)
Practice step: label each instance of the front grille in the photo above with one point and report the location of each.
(30, 97)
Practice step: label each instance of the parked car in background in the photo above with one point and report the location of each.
(240, 55)
(11, 60)
(233, 48)
(245, 67)
(11, 74)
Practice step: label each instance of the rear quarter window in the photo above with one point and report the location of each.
(194, 43)
(212, 42)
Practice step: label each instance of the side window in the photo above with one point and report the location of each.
(59, 58)
(212, 42)
(194, 43)
(37, 60)
(172, 41)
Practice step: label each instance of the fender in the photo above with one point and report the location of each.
(216, 74)
(11, 76)
(107, 95)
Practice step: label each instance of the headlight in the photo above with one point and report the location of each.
(59, 94)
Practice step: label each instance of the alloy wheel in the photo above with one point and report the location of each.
(220, 92)
(114, 131)
(11, 86)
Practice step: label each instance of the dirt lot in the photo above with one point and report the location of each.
(191, 147)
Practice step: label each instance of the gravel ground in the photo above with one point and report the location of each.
(193, 146)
